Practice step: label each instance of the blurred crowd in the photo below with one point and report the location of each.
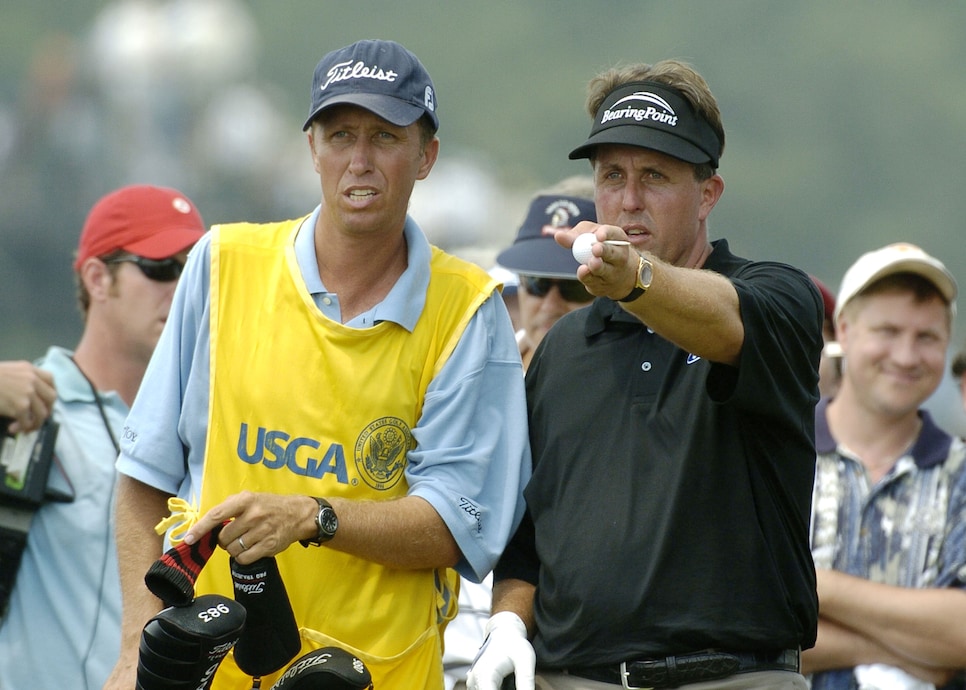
(609, 458)
(168, 92)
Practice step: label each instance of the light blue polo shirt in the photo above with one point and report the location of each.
(62, 629)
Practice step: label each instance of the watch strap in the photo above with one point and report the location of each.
(632, 295)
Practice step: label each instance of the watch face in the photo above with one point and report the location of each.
(328, 521)
(644, 275)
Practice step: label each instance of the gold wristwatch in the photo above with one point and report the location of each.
(645, 271)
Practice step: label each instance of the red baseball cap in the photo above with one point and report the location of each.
(828, 299)
(153, 222)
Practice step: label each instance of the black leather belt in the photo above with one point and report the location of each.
(673, 671)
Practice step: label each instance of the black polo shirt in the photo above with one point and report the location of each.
(669, 506)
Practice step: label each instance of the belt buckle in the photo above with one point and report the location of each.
(624, 682)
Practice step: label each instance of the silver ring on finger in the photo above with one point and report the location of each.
(242, 544)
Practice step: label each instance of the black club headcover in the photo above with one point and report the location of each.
(271, 637)
(183, 646)
(329, 668)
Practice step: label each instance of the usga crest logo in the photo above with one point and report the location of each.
(380, 452)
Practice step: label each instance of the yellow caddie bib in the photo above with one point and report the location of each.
(300, 404)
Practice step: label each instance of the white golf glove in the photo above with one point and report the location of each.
(505, 651)
(883, 677)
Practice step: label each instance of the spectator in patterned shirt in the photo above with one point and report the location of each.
(888, 530)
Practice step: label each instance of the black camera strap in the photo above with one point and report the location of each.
(117, 451)
(100, 407)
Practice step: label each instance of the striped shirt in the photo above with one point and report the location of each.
(908, 530)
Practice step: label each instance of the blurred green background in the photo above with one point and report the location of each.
(845, 121)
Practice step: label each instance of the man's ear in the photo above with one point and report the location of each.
(96, 277)
(711, 191)
(430, 154)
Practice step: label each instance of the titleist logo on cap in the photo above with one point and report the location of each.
(382, 77)
(344, 71)
(665, 115)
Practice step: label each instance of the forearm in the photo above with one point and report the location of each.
(515, 596)
(406, 533)
(696, 310)
(138, 509)
(838, 647)
(924, 626)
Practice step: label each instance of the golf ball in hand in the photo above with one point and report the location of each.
(582, 247)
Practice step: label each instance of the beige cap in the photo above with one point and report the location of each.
(900, 257)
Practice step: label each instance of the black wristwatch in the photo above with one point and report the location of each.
(326, 523)
(644, 273)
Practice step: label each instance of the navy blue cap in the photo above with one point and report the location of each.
(652, 116)
(380, 76)
(534, 252)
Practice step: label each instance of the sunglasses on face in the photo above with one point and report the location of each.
(160, 270)
(570, 290)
